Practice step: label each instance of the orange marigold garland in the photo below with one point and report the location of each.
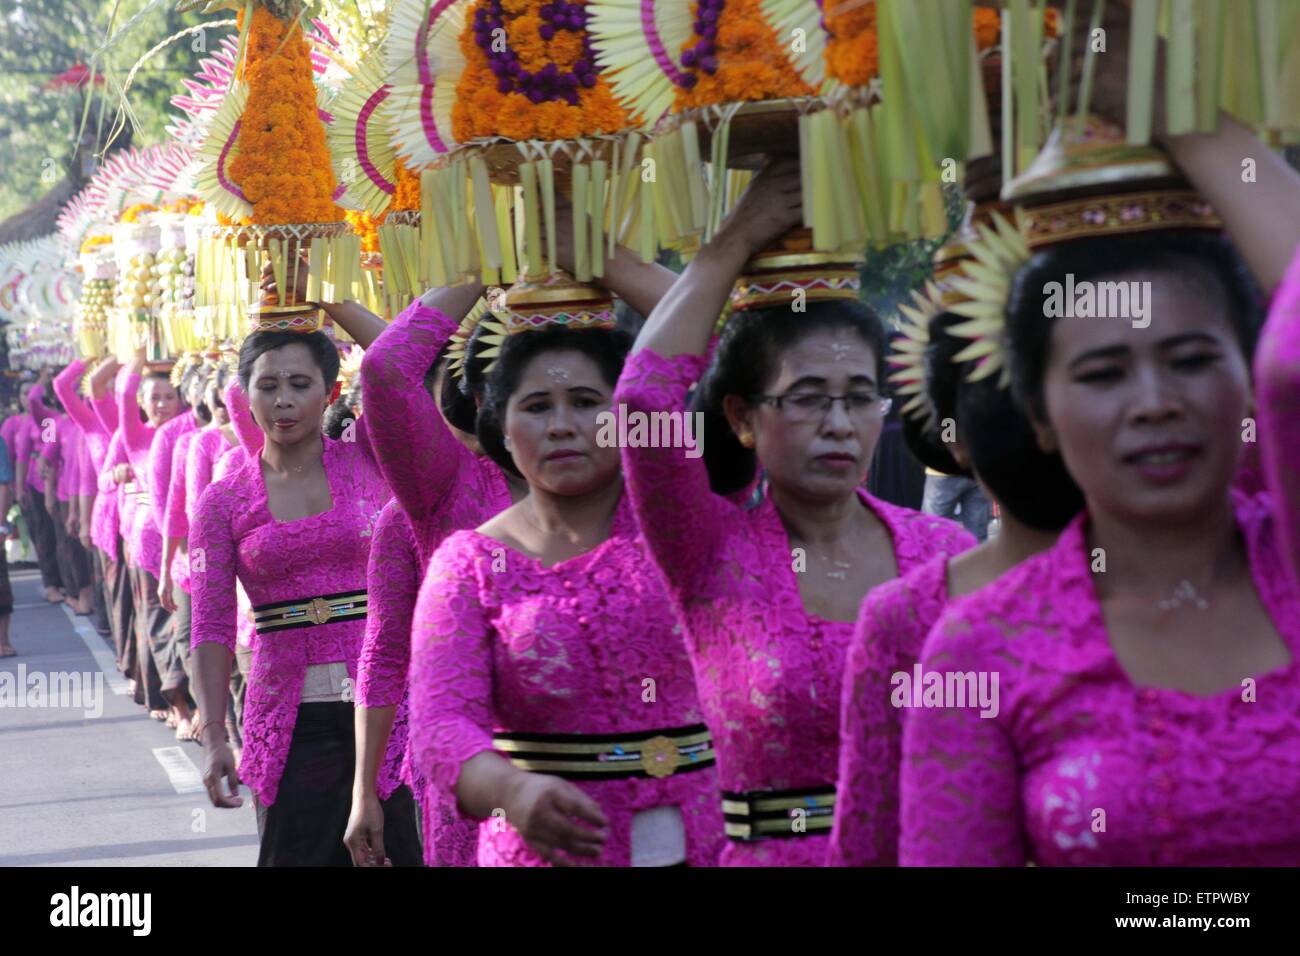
(407, 196)
(852, 54)
(852, 57)
(751, 63)
(367, 227)
(283, 165)
(535, 81)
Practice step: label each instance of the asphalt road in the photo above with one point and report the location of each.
(86, 778)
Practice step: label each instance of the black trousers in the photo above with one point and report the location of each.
(150, 640)
(74, 563)
(121, 615)
(99, 594)
(306, 824)
(41, 528)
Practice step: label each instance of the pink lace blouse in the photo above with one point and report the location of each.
(446, 488)
(144, 535)
(176, 521)
(892, 624)
(1079, 765)
(589, 646)
(441, 484)
(1277, 384)
(394, 581)
(768, 672)
(283, 562)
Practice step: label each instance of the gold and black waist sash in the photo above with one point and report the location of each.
(772, 814)
(327, 609)
(643, 753)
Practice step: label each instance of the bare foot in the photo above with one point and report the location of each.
(53, 595)
(160, 715)
(184, 729)
(7, 650)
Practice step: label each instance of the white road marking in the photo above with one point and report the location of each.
(184, 776)
(99, 651)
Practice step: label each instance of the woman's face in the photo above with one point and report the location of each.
(160, 400)
(807, 452)
(551, 424)
(287, 394)
(1150, 420)
(216, 404)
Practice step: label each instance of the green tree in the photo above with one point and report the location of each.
(40, 158)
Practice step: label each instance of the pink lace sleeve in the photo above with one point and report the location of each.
(241, 419)
(960, 777)
(161, 451)
(105, 408)
(451, 666)
(78, 409)
(212, 570)
(86, 481)
(887, 639)
(136, 435)
(199, 462)
(1277, 382)
(683, 521)
(115, 456)
(417, 453)
(176, 522)
(392, 580)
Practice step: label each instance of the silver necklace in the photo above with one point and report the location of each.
(1185, 595)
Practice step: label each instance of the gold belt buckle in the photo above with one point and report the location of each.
(319, 611)
(659, 757)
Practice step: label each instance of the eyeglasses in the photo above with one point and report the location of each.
(813, 406)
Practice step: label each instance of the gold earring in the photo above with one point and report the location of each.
(747, 439)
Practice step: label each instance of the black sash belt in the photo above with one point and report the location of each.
(309, 612)
(644, 753)
(768, 814)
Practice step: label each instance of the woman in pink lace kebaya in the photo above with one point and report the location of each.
(441, 482)
(152, 393)
(1148, 664)
(768, 594)
(1036, 498)
(551, 695)
(292, 523)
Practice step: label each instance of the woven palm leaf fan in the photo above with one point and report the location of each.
(800, 24)
(359, 139)
(908, 354)
(638, 43)
(423, 60)
(220, 147)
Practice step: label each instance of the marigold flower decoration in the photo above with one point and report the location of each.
(733, 55)
(367, 227)
(530, 73)
(407, 196)
(283, 166)
(133, 213)
(852, 56)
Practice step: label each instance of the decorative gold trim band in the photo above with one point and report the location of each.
(1117, 215)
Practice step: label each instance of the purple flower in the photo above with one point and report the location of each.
(589, 79)
(709, 64)
(547, 31)
(504, 85)
(688, 58)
